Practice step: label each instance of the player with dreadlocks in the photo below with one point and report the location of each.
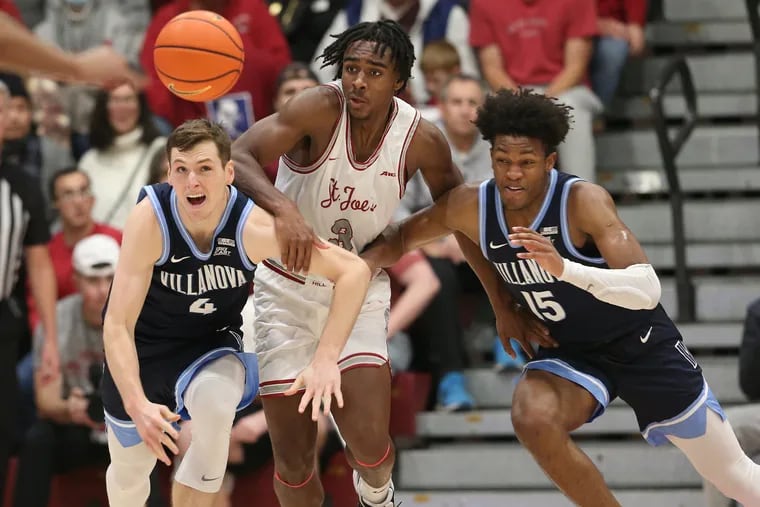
(346, 151)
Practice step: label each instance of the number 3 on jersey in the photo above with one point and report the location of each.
(203, 306)
(543, 305)
(344, 234)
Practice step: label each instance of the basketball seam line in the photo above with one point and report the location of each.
(205, 50)
(215, 26)
(197, 80)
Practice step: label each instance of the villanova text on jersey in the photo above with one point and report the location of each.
(194, 295)
(572, 315)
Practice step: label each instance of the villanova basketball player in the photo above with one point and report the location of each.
(577, 272)
(172, 323)
(345, 152)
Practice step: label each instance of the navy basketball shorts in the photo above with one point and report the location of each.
(166, 376)
(660, 380)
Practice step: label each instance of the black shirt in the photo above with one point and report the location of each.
(23, 221)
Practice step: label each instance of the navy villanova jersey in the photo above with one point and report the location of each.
(572, 315)
(194, 295)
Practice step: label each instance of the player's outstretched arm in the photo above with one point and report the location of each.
(351, 276)
(631, 282)
(265, 142)
(141, 247)
(21, 51)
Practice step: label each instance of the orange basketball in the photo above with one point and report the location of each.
(198, 55)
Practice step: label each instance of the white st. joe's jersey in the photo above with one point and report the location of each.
(347, 202)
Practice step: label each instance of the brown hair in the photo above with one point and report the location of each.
(193, 132)
(439, 55)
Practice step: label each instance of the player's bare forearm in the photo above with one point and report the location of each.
(348, 296)
(21, 51)
(121, 356)
(486, 273)
(384, 250)
(253, 181)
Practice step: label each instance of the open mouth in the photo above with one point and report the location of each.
(196, 200)
(510, 188)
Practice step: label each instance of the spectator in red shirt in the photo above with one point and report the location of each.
(266, 53)
(545, 45)
(8, 7)
(71, 194)
(621, 34)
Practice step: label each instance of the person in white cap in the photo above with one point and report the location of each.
(69, 408)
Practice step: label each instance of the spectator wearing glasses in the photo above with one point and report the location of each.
(72, 197)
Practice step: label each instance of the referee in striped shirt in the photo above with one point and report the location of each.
(23, 233)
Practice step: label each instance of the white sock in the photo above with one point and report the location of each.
(375, 496)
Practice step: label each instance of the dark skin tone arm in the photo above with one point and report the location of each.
(602, 227)
(301, 136)
(457, 212)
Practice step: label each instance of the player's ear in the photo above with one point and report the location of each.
(229, 172)
(551, 160)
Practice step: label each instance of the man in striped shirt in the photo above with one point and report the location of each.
(23, 234)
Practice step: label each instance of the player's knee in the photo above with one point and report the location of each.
(534, 420)
(294, 468)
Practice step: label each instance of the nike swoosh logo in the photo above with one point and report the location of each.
(206, 479)
(645, 338)
(496, 247)
(175, 259)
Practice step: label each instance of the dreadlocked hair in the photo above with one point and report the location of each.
(524, 113)
(388, 35)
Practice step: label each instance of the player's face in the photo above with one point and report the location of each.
(369, 80)
(123, 109)
(94, 291)
(521, 170)
(199, 179)
(74, 200)
(460, 108)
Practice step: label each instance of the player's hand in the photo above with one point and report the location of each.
(539, 248)
(105, 67)
(76, 404)
(322, 381)
(154, 424)
(296, 238)
(513, 322)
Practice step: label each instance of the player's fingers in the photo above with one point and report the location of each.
(289, 256)
(326, 401)
(307, 254)
(169, 443)
(301, 249)
(525, 345)
(316, 403)
(295, 386)
(338, 397)
(508, 347)
(167, 414)
(305, 399)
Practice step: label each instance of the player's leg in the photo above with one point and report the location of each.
(545, 409)
(211, 400)
(128, 474)
(364, 425)
(293, 437)
(719, 459)
(745, 421)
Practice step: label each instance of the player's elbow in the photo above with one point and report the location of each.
(653, 289)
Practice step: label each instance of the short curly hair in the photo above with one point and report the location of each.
(524, 113)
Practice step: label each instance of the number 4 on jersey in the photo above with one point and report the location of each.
(543, 306)
(203, 306)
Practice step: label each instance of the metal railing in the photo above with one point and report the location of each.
(669, 149)
(754, 24)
